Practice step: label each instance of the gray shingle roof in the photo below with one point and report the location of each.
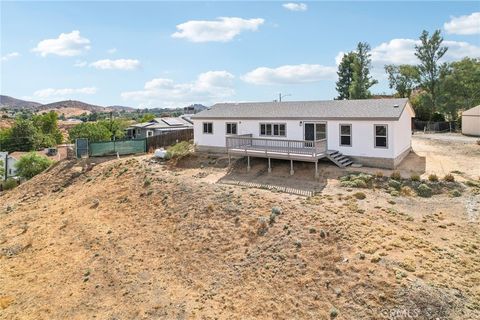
(329, 109)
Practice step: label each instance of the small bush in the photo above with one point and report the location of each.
(395, 184)
(433, 177)
(455, 193)
(394, 193)
(32, 164)
(179, 150)
(424, 191)
(9, 184)
(396, 175)
(473, 183)
(379, 174)
(406, 191)
(449, 177)
(359, 195)
(415, 177)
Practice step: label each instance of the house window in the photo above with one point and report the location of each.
(149, 133)
(232, 128)
(346, 135)
(208, 127)
(273, 129)
(381, 136)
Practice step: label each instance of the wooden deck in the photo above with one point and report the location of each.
(299, 150)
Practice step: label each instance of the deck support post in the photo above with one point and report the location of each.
(316, 169)
(269, 166)
(291, 168)
(248, 163)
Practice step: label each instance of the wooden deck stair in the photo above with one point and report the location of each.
(338, 158)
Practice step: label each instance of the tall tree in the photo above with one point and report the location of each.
(459, 87)
(361, 80)
(429, 52)
(345, 75)
(403, 78)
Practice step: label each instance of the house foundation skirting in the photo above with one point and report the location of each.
(210, 149)
(384, 163)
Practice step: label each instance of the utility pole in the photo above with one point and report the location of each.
(280, 96)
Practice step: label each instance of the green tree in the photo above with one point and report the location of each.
(2, 169)
(402, 78)
(147, 117)
(361, 80)
(116, 127)
(24, 136)
(459, 87)
(32, 164)
(47, 124)
(429, 52)
(91, 131)
(345, 75)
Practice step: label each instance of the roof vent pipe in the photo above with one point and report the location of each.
(395, 105)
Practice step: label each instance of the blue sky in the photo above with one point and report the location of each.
(168, 54)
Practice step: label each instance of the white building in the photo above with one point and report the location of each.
(373, 132)
(471, 122)
(8, 164)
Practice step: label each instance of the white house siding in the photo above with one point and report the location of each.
(471, 125)
(363, 139)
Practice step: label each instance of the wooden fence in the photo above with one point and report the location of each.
(168, 138)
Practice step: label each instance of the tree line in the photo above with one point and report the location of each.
(436, 90)
(41, 131)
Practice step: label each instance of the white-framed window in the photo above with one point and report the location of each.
(381, 135)
(149, 133)
(273, 129)
(208, 127)
(346, 135)
(231, 128)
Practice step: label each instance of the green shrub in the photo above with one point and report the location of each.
(433, 177)
(424, 191)
(357, 183)
(179, 150)
(394, 193)
(9, 184)
(32, 164)
(415, 177)
(396, 175)
(449, 177)
(473, 183)
(359, 195)
(455, 193)
(395, 184)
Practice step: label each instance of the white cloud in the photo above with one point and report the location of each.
(67, 44)
(339, 57)
(208, 87)
(61, 93)
(10, 56)
(80, 64)
(290, 74)
(222, 30)
(292, 6)
(112, 50)
(464, 24)
(119, 64)
(402, 51)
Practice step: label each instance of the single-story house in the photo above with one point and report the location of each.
(372, 132)
(157, 126)
(471, 122)
(8, 164)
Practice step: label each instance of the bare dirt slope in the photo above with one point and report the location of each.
(134, 239)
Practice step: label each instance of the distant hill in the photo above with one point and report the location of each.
(13, 103)
(120, 108)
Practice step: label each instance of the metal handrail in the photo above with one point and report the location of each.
(247, 142)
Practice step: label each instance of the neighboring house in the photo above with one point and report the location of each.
(372, 132)
(8, 162)
(194, 108)
(471, 121)
(157, 126)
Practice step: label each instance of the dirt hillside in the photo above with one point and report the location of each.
(136, 239)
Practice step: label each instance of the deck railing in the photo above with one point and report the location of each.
(247, 143)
